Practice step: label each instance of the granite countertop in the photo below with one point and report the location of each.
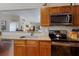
(20, 36)
(26, 38)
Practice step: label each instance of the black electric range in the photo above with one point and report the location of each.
(58, 35)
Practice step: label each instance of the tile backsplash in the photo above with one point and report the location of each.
(68, 28)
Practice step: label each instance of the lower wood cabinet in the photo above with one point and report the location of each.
(45, 48)
(32, 48)
(19, 48)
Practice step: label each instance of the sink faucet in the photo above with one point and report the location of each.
(32, 30)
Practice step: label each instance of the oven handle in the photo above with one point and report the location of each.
(69, 44)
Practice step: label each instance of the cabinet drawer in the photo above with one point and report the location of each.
(19, 42)
(45, 43)
(31, 42)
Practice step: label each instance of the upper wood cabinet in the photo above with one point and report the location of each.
(66, 9)
(45, 48)
(75, 15)
(45, 16)
(54, 10)
(32, 48)
(47, 11)
(59, 10)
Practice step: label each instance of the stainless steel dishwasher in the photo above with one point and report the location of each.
(5, 45)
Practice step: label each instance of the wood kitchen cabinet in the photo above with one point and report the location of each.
(75, 15)
(45, 17)
(32, 48)
(26, 48)
(45, 48)
(19, 48)
(66, 9)
(74, 10)
(47, 11)
(59, 10)
(54, 10)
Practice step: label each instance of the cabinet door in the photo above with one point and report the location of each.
(45, 48)
(54, 10)
(76, 15)
(44, 17)
(19, 48)
(32, 48)
(66, 9)
(59, 10)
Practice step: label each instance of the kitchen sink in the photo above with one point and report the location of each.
(29, 36)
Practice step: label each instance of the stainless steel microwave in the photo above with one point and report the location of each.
(61, 19)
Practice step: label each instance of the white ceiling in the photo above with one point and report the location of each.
(16, 6)
(20, 12)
